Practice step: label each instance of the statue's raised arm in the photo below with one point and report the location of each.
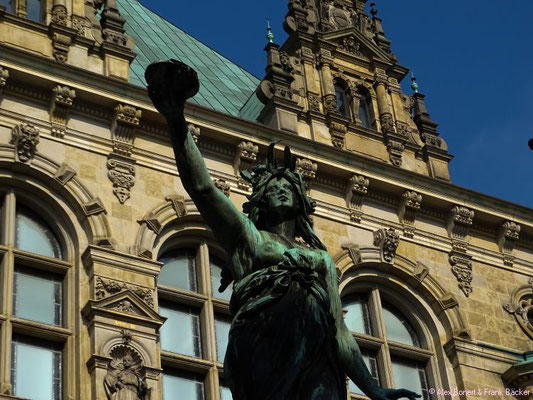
(170, 84)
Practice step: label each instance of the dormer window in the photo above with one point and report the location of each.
(342, 101)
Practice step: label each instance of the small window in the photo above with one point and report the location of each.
(179, 269)
(222, 326)
(181, 332)
(372, 365)
(34, 235)
(34, 10)
(410, 375)
(37, 296)
(35, 369)
(182, 386)
(356, 317)
(342, 101)
(217, 266)
(397, 327)
(364, 111)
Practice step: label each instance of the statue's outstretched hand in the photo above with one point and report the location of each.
(394, 394)
(166, 102)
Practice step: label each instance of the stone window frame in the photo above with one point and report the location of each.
(19, 8)
(384, 349)
(209, 307)
(11, 257)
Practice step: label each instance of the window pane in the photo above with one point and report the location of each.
(222, 327)
(34, 235)
(372, 365)
(37, 296)
(181, 331)
(225, 393)
(34, 10)
(35, 370)
(182, 386)
(356, 316)
(364, 111)
(217, 265)
(179, 269)
(397, 327)
(341, 100)
(410, 375)
(8, 4)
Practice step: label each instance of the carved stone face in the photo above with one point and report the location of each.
(127, 361)
(280, 199)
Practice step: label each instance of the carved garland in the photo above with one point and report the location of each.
(521, 306)
(107, 287)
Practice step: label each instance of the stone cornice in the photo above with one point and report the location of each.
(337, 162)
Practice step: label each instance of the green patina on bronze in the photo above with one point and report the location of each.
(288, 340)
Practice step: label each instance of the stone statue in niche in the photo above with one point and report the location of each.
(124, 380)
(288, 340)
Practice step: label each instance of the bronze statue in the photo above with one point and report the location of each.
(288, 340)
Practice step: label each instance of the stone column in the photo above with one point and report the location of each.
(328, 88)
(385, 113)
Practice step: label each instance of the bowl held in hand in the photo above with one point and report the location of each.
(173, 77)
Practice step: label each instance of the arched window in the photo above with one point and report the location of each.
(365, 110)
(198, 322)
(343, 105)
(37, 271)
(388, 341)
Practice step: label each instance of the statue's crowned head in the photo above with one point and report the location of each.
(262, 175)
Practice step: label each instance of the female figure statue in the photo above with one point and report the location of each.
(288, 340)
(123, 381)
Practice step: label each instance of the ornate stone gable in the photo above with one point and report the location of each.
(122, 304)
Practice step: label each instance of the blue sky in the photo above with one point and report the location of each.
(472, 59)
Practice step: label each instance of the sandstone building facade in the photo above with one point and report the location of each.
(108, 274)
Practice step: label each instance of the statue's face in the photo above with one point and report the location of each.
(127, 361)
(280, 198)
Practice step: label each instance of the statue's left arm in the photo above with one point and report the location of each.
(348, 350)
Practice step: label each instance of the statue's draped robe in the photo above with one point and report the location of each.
(282, 340)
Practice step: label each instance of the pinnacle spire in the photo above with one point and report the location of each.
(270, 35)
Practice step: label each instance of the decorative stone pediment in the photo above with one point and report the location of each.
(125, 302)
(352, 42)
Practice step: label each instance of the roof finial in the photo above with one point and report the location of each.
(270, 35)
(373, 9)
(414, 85)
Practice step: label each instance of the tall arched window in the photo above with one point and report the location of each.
(197, 327)
(343, 105)
(32, 253)
(365, 110)
(389, 341)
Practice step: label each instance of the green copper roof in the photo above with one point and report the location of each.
(225, 86)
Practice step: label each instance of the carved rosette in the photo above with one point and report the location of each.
(355, 192)
(521, 306)
(60, 105)
(122, 175)
(107, 287)
(245, 158)
(25, 138)
(4, 75)
(410, 204)
(387, 240)
(507, 237)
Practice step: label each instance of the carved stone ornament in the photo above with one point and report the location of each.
(61, 44)
(330, 104)
(459, 222)
(195, 132)
(122, 175)
(125, 120)
(113, 24)
(521, 306)
(387, 240)
(125, 378)
(64, 174)
(355, 192)
(59, 14)
(338, 133)
(93, 207)
(60, 104)
(313, 102)
(508, 236)
(462, 269)
(178, 204)
(285, 62)
(395, 150)
(4, 75)
(307, 168)
(245, 158)
(421, 271)
(25, 137)
(387, 124)
(80, 25)
(107, 287)
(223, 186)
(152, 223)
(409, 205)
(351, 46)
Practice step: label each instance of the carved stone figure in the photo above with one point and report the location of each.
(288, 339)
(123, 380)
